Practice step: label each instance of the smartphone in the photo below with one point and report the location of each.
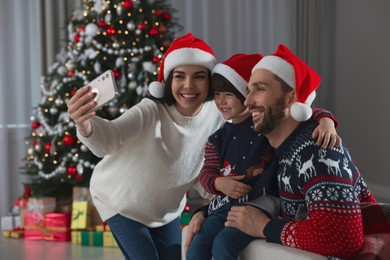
(104, 87)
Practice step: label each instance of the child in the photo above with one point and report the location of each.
(152, 154)
(238, 165)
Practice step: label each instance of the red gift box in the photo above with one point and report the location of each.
(58, 225)
(50, 226)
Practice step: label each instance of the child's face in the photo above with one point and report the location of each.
(231, 107)
(190, 86)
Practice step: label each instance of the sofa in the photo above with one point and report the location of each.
(260, 249)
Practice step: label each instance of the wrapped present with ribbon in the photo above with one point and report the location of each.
(11, 222)
(41, 205)
(103, 227)
(76, 237)
(34, 223)
(13, 233)
(91, 238)
(109, 240)
(80, 215)
(50, 226)
(57, 226)
(83, 194)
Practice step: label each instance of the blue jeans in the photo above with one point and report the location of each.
(137, 241)
(217, 241)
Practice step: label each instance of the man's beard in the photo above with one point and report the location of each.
(272, 117)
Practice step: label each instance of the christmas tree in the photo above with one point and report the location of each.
(130, 38)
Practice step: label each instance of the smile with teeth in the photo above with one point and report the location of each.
(189, 96)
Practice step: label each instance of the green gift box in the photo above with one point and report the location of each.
(185, 218)
(91, 238)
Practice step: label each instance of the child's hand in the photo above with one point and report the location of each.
(231, 186)
(326, 134)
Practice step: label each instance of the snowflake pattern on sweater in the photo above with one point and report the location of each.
(320, 191)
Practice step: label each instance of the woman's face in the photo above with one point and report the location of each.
(190, 87)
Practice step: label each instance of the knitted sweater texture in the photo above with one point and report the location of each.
(152, 155)
(320, 192)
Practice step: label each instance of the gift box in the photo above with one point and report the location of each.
(57, 227)
(51, 226)
(83, 194)
(109, 240)
(10, 222)
(42, 205)
(102, 227)
(80, 215)
(185, 218)
(76, 237)
(33, 225)
(13, 233)
(91, 238)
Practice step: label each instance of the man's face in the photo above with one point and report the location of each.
(266, 101)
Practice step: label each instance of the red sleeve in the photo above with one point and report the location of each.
(319, 113)
(210, 169)
(333, 226)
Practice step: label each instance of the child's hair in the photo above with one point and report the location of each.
(168, 96)
(220, 84)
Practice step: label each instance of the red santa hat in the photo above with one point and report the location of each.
(298, 75)
(186, 50)
(237, 69)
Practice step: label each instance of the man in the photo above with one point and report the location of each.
(320, 189)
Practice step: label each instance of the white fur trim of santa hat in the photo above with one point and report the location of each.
(188, 56)
(231, 75)
(300, 111)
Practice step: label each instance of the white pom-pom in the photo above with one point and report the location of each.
(156, 89)
(300, 111)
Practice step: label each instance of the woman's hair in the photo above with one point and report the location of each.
(220, 84)
(168, 96)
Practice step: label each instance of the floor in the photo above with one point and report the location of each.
(20, 249)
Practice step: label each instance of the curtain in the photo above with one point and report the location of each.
(30, 37)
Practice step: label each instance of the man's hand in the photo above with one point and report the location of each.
(193, 227)
(247, 219)
(231, 186)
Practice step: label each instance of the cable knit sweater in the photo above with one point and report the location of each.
(152, 156)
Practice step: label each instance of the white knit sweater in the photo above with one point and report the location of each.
(152, 156)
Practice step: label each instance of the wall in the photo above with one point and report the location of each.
(362, 89)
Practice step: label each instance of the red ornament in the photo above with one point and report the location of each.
(128, 4)
(166, 16)
(155, 59)
(72, 170)
(71, 73)
(102, 24)
(35, 125)
(116, 73)
(79, 177)
(80, 29)
(111, 31)
(34, 143)
(68, 140)
(142, 26)
(48, 147)
(77, 38)
(153, 31)
(162, 28)
(73, 92)
(157, 12)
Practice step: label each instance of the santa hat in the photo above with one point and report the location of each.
(186, 50)
(298, 75)
(237, 69)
